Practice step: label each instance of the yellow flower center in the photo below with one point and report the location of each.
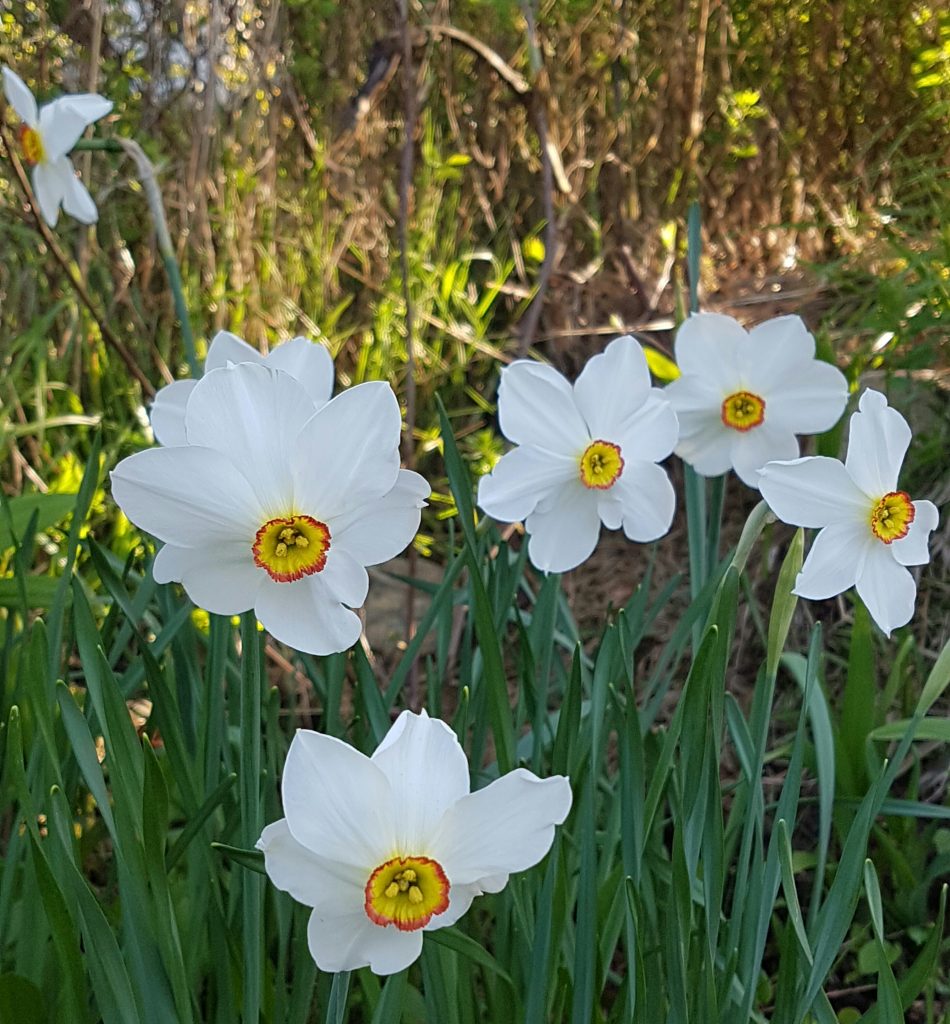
(742, 411)
(407, 892)
(891, 516)
(289, 549)
(32, 144)
(601, 465)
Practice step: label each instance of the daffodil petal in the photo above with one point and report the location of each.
(63, 121)
(778, 346)
(20, 98)
(253, 416)
(344, 577)
(307, 361)
(339, 805)
(833, 563)
(412, 747)
(49, 186)
(175, 494)
(506, 827)
(814, 491)
(914, 548)
(809, 399)
(612, 387)
(648, 499)
(711, 346)
(227, 348)
(77, 201)
(694, 394)
(220, 577)
(564, 533)
(307, 616)
(330, 887)
(651, 431)
(460, 899)
(167, 414)
(350, 942)
(705, 443)
(379, 530)
(754, 448)
(536, 406)
(876, 445)
(887, 589)
(522, 479)
(89, 105)
(610, 508)
(348, 452)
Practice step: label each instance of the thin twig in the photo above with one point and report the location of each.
(533, 316)
(106, 331)
(405, 185)
(515, 79)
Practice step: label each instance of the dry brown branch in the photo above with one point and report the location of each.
(110, 337)
(515, 79)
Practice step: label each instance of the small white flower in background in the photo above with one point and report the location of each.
(309, 362)
(386, 847)
(275, 504)
(46, 136)
(743, 395)
(870, 531)
(586, 455)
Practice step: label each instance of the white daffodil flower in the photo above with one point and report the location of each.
(386, 847)
(276, 505)
(870, 531)
(586, 455)
(46, 136)
(309, 362)
(743, 395)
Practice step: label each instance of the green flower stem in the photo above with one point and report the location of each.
(98, 146)
(252, 884)
(153, 196)
(694, 489)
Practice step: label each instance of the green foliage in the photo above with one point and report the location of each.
(668, 892)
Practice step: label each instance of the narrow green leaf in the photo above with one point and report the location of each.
(857, 710)
(251, 859)
(21, 1002)
(49, 509)
(784, 601)
(466, 946)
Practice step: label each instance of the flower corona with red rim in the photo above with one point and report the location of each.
(291, 548)
(406, 892)
(31, 142)
(892, 516)
(601, 465)
(742, 411)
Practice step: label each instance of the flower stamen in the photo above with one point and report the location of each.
(291, 548)
(601, 465)
(743, 410)
(32, 144)
(406, 892)
(891, 516)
